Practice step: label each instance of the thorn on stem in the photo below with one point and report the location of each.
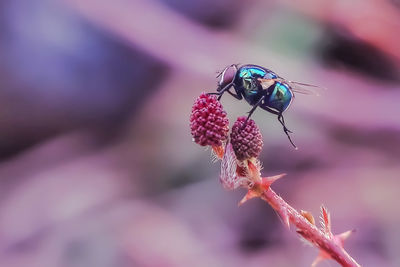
(268, 181)
(250, 194)
(344, 236)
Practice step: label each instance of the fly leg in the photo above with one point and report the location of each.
(254, 84)
(219, 93)
(285, 129)
(254, 108)
(235, 95)
(282, 121)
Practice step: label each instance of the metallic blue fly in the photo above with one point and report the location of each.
(260, 87)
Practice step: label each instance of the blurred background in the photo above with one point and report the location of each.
(97, 163)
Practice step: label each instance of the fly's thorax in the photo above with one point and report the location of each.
(252, 92)
(247, 83)
(251, 72)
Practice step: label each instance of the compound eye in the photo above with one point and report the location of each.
(227, 76)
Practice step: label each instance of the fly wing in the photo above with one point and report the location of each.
(305, 88)
(296, 87)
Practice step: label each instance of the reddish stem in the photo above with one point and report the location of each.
(309, 231)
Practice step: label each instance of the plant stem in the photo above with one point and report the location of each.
(309, 231)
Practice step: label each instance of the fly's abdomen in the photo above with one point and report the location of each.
(281, 97)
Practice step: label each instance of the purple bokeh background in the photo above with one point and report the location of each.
(97, 163)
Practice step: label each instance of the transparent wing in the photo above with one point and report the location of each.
(297, 87)
(305, 88)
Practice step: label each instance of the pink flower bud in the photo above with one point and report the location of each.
(208, 122)
(246, 139)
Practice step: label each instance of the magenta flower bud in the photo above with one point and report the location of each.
(208, 122)
(246, 139)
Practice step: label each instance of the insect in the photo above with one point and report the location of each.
(260, 87)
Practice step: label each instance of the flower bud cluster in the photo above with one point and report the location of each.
(246, 139)
(209, 124)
